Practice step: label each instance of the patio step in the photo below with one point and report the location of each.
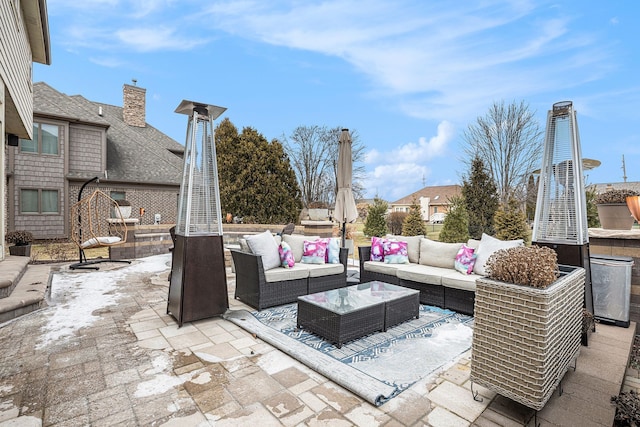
(29, 285)
(11, 270)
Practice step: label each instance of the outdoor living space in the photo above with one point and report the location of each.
(105, 352)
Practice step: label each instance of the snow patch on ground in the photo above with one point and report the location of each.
(76, 295)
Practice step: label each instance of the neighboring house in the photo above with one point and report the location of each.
(74, 140)
(434, 201)
(24, 39)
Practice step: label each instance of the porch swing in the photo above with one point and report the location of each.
(92, 228)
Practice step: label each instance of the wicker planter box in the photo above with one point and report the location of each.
(524, 339)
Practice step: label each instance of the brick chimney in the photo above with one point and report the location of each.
(133, 112)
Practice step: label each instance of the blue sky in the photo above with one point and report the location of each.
(409, 76)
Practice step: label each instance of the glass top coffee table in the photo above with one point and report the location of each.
(344, 314)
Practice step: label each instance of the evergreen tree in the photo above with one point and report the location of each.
(395, 221)
(593, 221)
(455, 227)
(256, 178)
(413, 224)
(481, 199)
(376, 224)
(511, 222)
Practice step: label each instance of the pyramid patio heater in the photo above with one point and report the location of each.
(561, 210)
(198, 286)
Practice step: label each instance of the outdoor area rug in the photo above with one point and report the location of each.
(376, 367)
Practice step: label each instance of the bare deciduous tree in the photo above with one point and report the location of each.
(313, 152)
(509, 141)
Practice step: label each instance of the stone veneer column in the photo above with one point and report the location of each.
(134, 106)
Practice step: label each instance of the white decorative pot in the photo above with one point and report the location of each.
(316, 214)
(123, 213)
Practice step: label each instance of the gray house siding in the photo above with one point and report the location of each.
(15, 69)
(35, 171)
(86, 151)
(93, 141)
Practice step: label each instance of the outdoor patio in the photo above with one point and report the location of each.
(106, 353)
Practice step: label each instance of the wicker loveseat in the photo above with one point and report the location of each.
(431, 270)
(262, 288)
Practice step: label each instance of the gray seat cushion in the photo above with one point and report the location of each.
(381, 267)
(423, 273)
(298, 271)
(457, 280)
(319, 270)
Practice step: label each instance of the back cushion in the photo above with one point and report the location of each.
(438, 254)
(413, 246)
(296, 242)
(265, 245)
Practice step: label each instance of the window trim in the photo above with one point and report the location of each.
(38, 133)
(39, 201)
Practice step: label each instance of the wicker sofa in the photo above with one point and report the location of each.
(431, 270)
(262, 288)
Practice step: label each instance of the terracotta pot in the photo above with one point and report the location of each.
(633, 203)
(615, 216)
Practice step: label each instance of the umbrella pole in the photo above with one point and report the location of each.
(344, 233)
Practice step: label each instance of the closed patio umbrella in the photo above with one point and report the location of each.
(345, 210)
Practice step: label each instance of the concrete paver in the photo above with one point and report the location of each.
(134, 366)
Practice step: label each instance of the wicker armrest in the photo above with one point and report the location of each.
(364, 254)
(344, 254)
(249, 273)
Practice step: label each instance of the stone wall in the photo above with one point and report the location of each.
(147, 240)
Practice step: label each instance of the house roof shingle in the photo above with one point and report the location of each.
(134, 154)
(438, 195)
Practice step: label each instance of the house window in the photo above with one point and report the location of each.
(39, 201)
(45, 139)
(435, 209)
(117, 195)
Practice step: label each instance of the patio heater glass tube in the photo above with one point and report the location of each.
(561, 205)
(199, 210)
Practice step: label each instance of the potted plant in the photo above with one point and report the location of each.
(613, 212)
(21, 240)
(528, 324)
(123, 210)
(318, 211)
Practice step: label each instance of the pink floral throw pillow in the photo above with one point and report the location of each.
(377, 249)
(465, 259)
(286, 256)
(314, 252)
(395, 252)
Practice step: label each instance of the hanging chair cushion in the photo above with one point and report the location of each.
(100, 241)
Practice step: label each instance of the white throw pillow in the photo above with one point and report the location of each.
(489, 245)
(265, 245)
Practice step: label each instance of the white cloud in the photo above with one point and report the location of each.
(403, 170)
(108, 62)
(425, 150)
(157, 38)
(448, 62)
